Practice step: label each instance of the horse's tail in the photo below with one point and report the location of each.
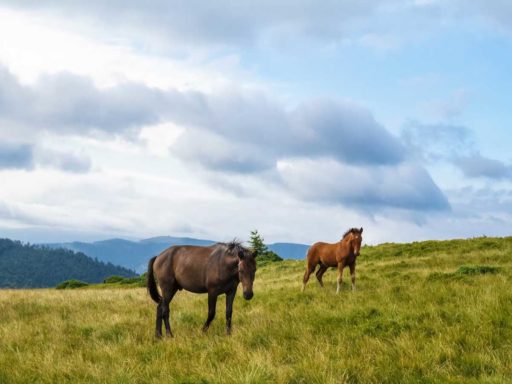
(153, 291)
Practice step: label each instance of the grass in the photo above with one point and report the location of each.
(430, 312)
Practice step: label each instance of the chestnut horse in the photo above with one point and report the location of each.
(216, 270)
(338, 255)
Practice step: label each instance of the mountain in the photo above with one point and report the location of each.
(289, 250)
(129, 254)
(35, 266)
(135, 254)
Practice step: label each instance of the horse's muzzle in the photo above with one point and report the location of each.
(248, 295)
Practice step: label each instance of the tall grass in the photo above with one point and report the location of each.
(403, 324)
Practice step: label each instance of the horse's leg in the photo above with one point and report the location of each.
(340, 276)
(230, 296)
(212, 304)
(158, 328)
(320, 273)
(309, 270)
(165, 309)
(353, 275)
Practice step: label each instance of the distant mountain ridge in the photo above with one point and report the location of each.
(135, 254)
(35, 266)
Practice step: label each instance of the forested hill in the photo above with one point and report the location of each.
(30, 266)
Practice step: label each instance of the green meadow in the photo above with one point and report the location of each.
(427, 312)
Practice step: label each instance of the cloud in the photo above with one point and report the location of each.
(69, 103)
(193, 25)
(476, 165)
(27, 156)
(453, 144)
(222, 23)
(437, 142)
(64, 161)
(250, 133)
(16, 156)
(344, 131)
(406, 186)
(449, 107)
(229, 129)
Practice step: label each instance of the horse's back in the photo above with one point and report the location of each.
(324, 253)
(185, 265)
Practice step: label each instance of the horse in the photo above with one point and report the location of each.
(215, 269)
(338, 255)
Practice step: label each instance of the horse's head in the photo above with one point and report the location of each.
(355, 237)
(246, 268)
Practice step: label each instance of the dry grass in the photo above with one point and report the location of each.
(413, 319)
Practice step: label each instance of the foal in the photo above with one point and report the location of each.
(338, 255)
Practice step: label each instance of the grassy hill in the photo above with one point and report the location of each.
(428, 312)
(29, 266)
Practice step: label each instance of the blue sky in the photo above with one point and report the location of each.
(301, 119)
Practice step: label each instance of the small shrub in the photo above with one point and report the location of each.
(476, 269)
(464, 270)
(268, 257)
(71, 284)
(113, 279)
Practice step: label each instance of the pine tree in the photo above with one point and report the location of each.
(264, 255)
(257, 244)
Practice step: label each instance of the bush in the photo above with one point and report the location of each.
(268, 257)
(71, 284)
(113, 279)
(476, 269)
(139, 281)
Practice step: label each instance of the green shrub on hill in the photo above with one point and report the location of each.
(138, 281)
(113, 279)
(71, 284)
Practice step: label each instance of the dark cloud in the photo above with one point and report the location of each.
(406, 186)
(72, 104)
(248, 132)
(476, 165)
(16, 156)
(345, 131)
(27, 156)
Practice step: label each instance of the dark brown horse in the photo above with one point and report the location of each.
(216, 269)
(338, 255)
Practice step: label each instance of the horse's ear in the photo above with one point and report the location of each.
(361, 230)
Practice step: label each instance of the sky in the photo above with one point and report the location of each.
(299, 118)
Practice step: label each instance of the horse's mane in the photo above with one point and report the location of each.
(349, 231)
(234, 245)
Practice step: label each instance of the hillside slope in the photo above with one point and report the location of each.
(25, 266)
(429, 312)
